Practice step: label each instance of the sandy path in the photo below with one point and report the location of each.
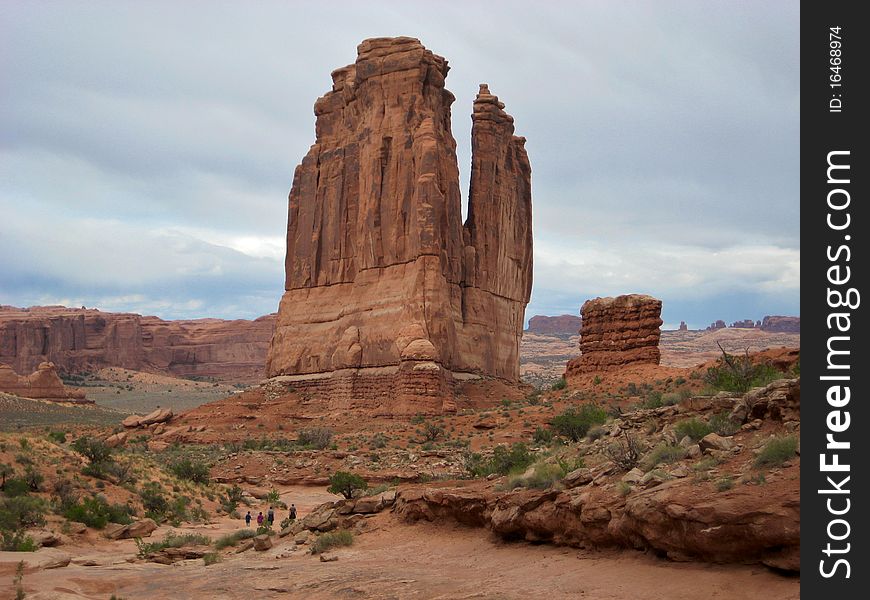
(407, 561)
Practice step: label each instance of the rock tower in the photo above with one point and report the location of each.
(389, 298)
(616, 332)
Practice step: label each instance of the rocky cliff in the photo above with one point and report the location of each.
(388, 293)
(616, 332)
(561, 325)
(78, 340)
(781, 324)
(43, 383)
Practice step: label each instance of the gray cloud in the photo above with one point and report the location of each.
(146, 149)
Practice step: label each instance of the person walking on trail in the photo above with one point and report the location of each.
(248, 519)
(260, 519)
(271, 516)
(292, 512)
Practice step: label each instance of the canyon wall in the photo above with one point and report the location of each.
(381, 273)
(78, 340)
(616, 332)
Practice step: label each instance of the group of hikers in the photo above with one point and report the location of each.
(269, 517)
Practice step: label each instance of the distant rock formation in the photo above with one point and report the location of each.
(781, 324)
(388, 293)
(561, 325)
(744, 324)
(617, 332)
(78, 340)
(716, 325)
(683, 326)
(44, 383)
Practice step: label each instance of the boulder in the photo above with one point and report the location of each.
(262, 542)
(136, 529)
(577, 477)
(161, 415)
(132, 421)
(117, 439)
(714, 441)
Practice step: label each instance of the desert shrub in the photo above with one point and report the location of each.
(96, 512)
(378, 441)
(189, 470)
(153, 500)
(543, 437)
(724, 484)
(543, 476)
(199, 515)
(670, 399)
(777, 451)
(663, 453)
(344, 483)
(722, 425)
(16, 541)
(333, 539)
(17, 486)
(596, 433)
(96, 451)
(432, 431)
(575, 423)
(211, 558)
(653, 400)
(694, 428)
(739, 373)
(171, 540)
(232, 539)
(317, 438)
(625, 452)
(559, 385)
(58, 437)
(21, 512)
(230, 501)
(6, 471)
(503, 461)
(624, 489)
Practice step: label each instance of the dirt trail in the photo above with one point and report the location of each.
(399, 561)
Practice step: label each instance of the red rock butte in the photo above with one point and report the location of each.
(616, 332)
(390, 299)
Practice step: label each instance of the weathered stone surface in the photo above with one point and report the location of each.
(388, 294)
(44, 558)
(140, 528)
(78, 339)
(262, 542)
(160, 415)
(43, 383)
(714, 441)
(616, 332)
(561, 325)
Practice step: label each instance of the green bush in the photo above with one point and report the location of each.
(211, 558)
(333, 539)
(171, 540)
(317, 438)
(722, 425)
(694, 428)
(58, 437)
(21, 512)
(153, 500)
(503, 461)
(575, 423)
(777, 451)
(663, 453)
(15, 487)
(344, 483)
(559, 385)
(16, 541)
(96, 451)
(739, 373)
(543, 476)
(543, 437)
(189, 470)
(231, 539)
(96, 512)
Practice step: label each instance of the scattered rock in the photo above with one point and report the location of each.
(577, 477)
(328, 558)
(633, 476)
(714, 441)
(262, 542)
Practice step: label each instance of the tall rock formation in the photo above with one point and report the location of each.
(44, 383)
(616, 332)
(388, 294)
(79, 339)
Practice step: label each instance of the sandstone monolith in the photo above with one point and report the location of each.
(389, 297)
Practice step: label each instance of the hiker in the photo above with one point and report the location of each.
(260, 519)
(292, 512)
(248, 519)
(271, 516)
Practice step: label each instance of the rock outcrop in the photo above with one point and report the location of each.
(561, 325)
(388, 295)
(716, 325)
(78, 340)
(781, 324)
(44, 383)
(616, 332)
(683, 326)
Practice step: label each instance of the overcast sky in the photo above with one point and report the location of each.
(147, 149)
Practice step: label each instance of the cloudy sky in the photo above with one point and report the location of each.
(147, 149)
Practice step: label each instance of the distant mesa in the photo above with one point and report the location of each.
(44, 383)
(560, 325)
(77, 340)
(773, 324)
(389, 298)
(683, 326)
(617, 332)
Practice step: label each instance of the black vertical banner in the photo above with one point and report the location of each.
(835, 419)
